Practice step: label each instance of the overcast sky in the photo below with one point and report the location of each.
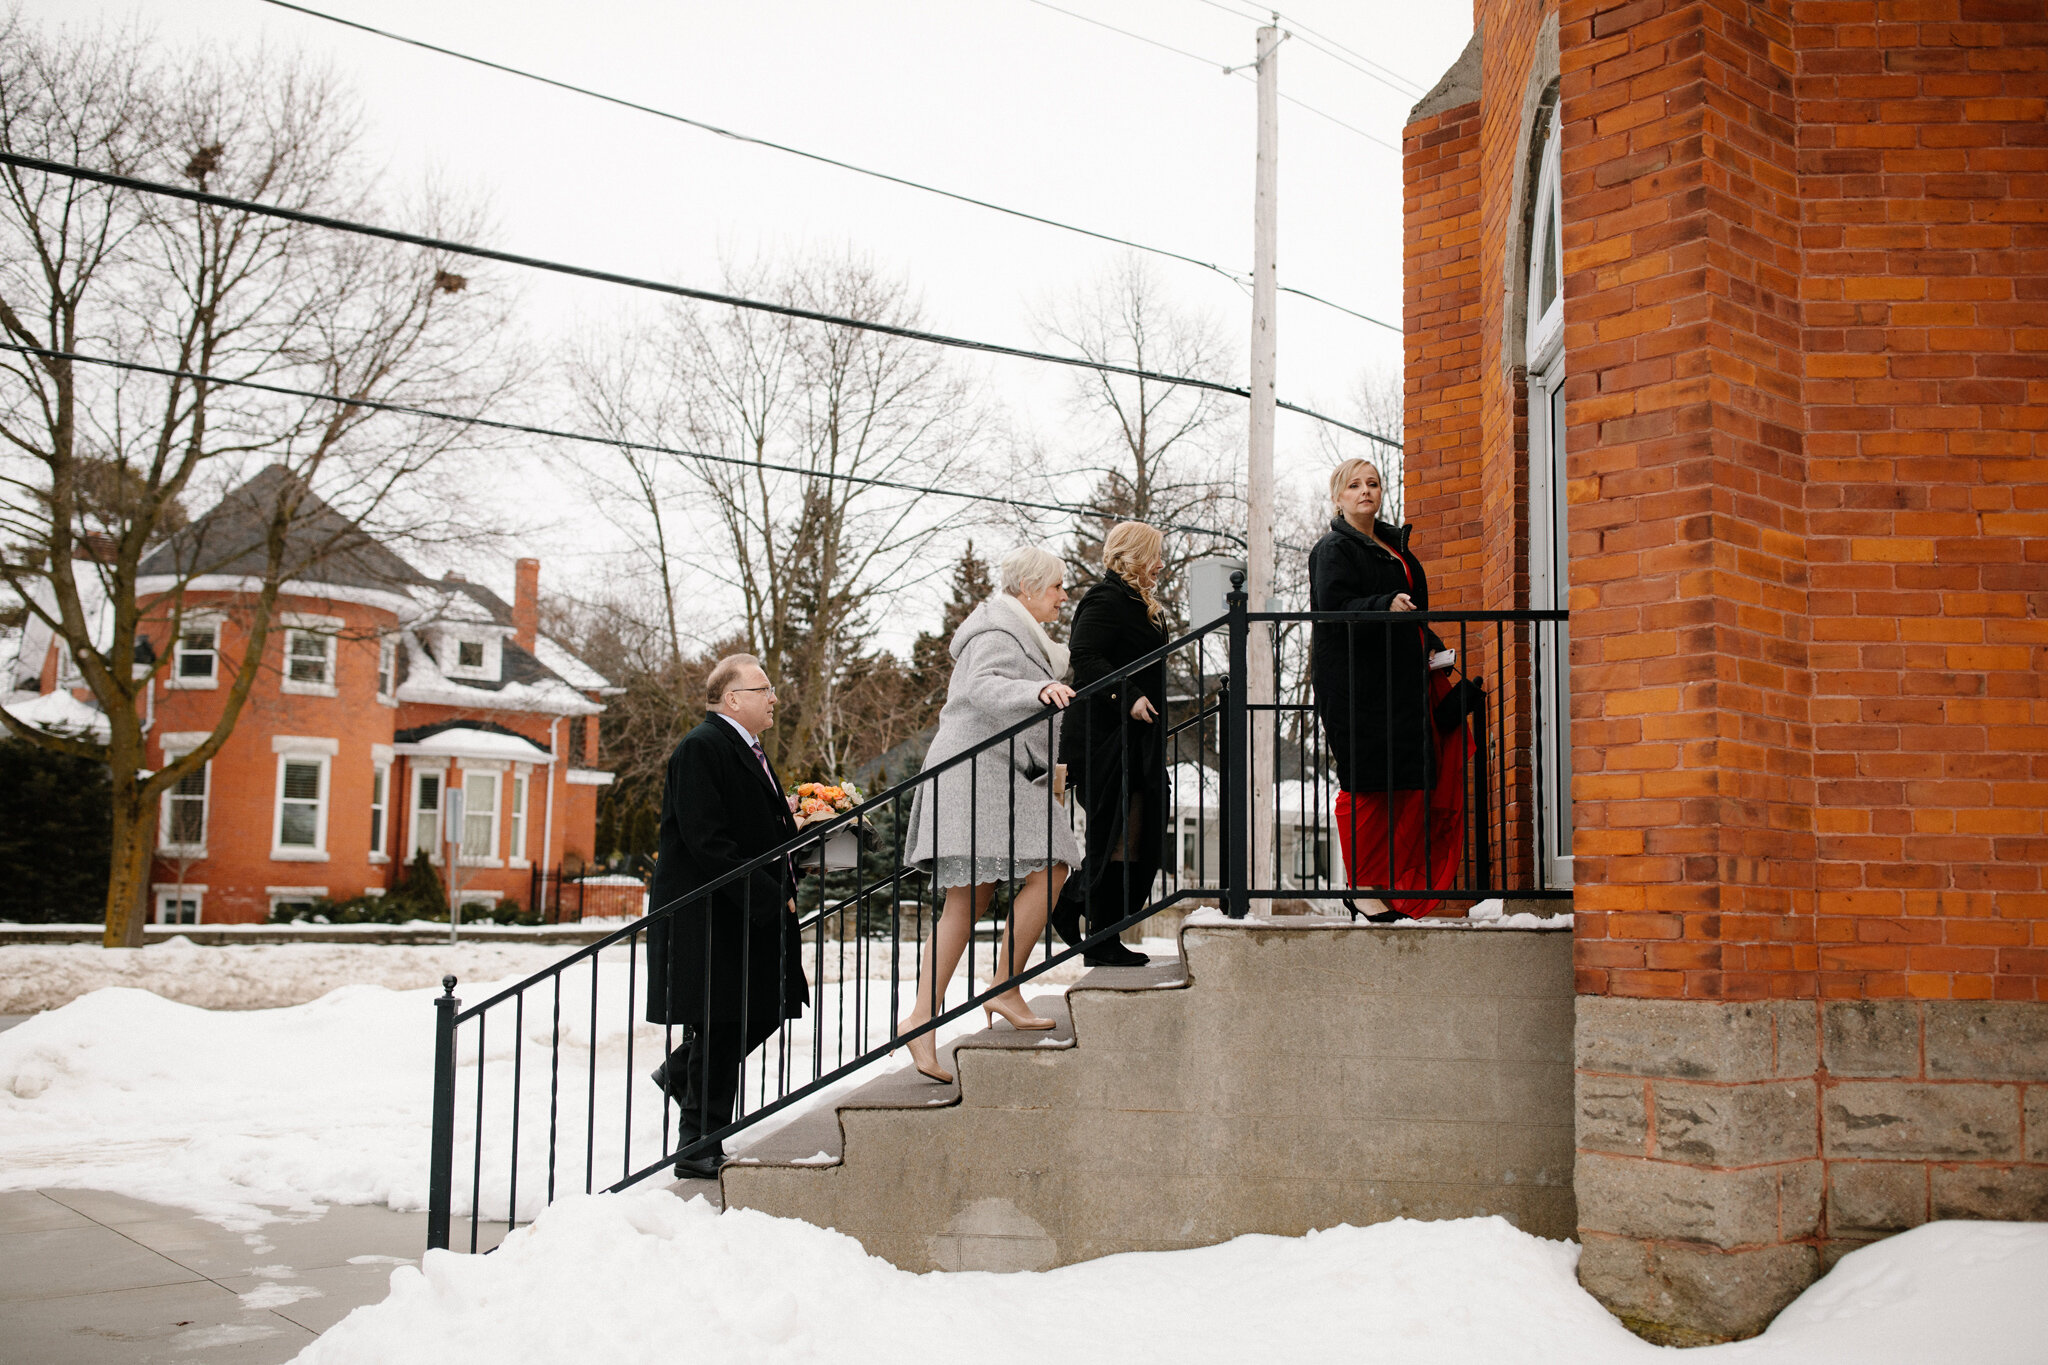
(1006, 100)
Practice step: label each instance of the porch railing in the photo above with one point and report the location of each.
(542, 1088)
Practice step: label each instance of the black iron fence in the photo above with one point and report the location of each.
(570, 894)
(1231, 795)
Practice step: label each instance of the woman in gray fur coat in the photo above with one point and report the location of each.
(994, 818)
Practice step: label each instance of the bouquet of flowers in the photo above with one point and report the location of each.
(812, 801)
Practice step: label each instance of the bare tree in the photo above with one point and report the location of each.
(98, 463)
(1376, 403)
(1157, 453)
(810, 560)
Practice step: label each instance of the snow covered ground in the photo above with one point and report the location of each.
(644, 1277)
(249, 976)
(226, 1111)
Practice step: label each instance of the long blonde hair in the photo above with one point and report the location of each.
(1128, 550)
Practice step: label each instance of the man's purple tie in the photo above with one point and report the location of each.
(766, 770)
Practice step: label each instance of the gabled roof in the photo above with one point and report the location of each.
(322, 545)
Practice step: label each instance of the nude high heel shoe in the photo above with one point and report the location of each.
(924, 1055)
(1022, 1022)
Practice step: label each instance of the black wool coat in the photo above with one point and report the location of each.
(1108, 752)
(735, 953)
(1371, 679)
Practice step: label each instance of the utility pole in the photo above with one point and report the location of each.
(1264, 725)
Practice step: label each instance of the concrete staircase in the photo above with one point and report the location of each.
(1283, 1076)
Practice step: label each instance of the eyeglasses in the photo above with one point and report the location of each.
(769, 688)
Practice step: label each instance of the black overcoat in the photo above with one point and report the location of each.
(1371, 680)
(1103, 745)
(718, 812)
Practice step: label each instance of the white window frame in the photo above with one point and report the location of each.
(292, 895)
(439, 772)
(298, 749)
(1549, 526)
(387, 669)
(473, 772)
(521, 792)
(163, 893)
(323, 628)
(449, 655)
(174, 676)
(380, 811)
(164, 846)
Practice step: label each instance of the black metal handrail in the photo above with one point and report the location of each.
(859, 907)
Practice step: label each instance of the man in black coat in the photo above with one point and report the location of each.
(726, 964)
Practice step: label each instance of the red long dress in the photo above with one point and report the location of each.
(1428, 827)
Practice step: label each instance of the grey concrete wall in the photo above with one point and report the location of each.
(1306, 1076)
(1728, 1152)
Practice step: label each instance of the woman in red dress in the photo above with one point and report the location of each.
(1400, 827)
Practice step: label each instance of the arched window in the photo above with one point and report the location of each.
(1549, 557)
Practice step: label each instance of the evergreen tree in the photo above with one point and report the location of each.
(930, 662)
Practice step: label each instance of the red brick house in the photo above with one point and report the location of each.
(1727, 327)
(384, 692)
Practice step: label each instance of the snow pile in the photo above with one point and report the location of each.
(248, 976)
(330, 1102)
(644, 1277)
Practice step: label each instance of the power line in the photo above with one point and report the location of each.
(1224, 67)
(1309, 37)
(634, 282)
(615, 442)
(792, 151)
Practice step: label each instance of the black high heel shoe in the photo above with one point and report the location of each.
(1383, 917)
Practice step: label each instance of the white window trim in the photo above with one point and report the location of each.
(326, 628)
(277, 894)
(518, 823)
(207, 684)
(387, 646)
(164, 847)
(497, 778)
(170, 891)
(279, 851)
(452, 638)
(416, 771)
(380, 815)
(1546, 333)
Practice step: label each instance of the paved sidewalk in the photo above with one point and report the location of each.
(90, 1278)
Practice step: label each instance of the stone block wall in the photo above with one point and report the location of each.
(1730, 1151)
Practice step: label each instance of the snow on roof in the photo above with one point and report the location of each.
(60, 713)
(426, 683)
(463, 742)
(574, 671)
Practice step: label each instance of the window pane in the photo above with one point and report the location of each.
(195, 652)
(308, 657)
(1553, 269)
(469, 654)
(192, 783)
(301, 781)
(299, 825)
(188, 821)
(481, 795)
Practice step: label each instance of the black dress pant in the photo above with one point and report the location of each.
(704, 1076)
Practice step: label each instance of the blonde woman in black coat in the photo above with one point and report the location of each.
(1114, 743)
(1373, 697)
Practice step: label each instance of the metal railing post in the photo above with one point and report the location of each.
(441, 1160)
(1237, 902)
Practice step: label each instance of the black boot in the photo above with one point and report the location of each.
(1113, 953)
(1066, 920)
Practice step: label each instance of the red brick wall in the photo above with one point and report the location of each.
(1806, 310)
(1440, 323)
(1924, 174)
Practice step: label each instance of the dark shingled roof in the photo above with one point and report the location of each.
(420, 732)
(498, 607)
(322, 546)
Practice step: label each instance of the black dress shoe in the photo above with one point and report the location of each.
(698, 1167)
(1114, 954)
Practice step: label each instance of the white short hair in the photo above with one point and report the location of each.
(1031, 568)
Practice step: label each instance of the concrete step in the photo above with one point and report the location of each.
(1289, 1076)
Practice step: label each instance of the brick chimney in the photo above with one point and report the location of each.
(526, 603)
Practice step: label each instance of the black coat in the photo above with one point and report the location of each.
(1103, 745)
(718, 812)
(1371, 679)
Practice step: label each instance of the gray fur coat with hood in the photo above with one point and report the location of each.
(993, 818)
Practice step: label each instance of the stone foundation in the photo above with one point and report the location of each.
(1728, 1152)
